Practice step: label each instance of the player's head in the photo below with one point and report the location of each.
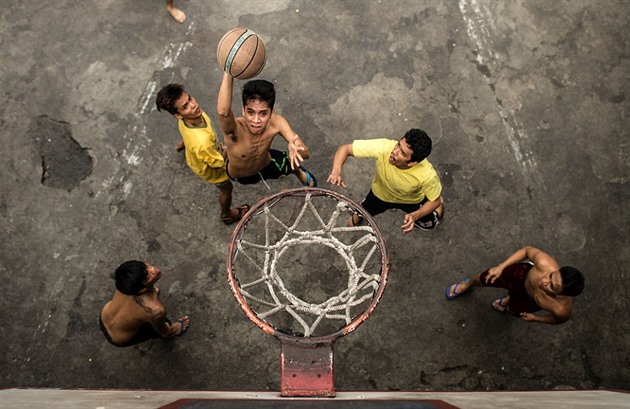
(261, 90)
(259, 97)
(420, 144)
(130, 277)
(174, 99)
(572, 281)
(167, 98)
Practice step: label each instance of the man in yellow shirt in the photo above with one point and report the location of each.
(203, 151)
(404, 179)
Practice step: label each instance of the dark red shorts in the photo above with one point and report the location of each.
(513, 280)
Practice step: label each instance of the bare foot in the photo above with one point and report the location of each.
(177, 14)
(180, 146)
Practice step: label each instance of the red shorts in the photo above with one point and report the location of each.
(513, 280)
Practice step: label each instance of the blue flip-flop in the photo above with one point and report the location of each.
(309, 177)
(453, 289)
(499, 306)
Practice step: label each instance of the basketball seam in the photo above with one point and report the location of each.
(234, 50)
(251, 59)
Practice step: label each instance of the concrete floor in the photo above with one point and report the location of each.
(526, 102)
(146, 399)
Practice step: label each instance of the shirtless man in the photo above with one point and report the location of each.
(248, 138)
(136, 314)
(534, 282)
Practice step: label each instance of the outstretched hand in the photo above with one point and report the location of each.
(336, 179)
(294, 153)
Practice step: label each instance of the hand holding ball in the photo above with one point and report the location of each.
(241, 53)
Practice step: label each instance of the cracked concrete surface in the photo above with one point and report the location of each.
(527, 106)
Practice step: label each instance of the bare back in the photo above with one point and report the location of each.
(125, 314)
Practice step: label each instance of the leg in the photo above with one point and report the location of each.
(228, 215)
(176, 13)
(225, 198)
(373, 205)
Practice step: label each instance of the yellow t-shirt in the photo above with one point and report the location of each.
(392, 184)
(202, 151)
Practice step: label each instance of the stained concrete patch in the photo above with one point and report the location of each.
(64, 162)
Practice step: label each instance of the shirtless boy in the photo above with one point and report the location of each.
(136, 314)
(248, 138)
(534, 282)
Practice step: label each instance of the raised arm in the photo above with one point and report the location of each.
(298, 151)
(342, 154)
(224, 105)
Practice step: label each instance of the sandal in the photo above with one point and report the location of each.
(352, 222)
(242, 210)
(501, 304)
(311, 180)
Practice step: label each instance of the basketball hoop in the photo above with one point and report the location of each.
(289, 267)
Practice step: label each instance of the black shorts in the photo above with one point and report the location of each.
(278, 167)
(373, 205)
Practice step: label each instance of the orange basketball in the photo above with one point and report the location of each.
(241, 53)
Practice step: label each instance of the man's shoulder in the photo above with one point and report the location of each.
(370, 147)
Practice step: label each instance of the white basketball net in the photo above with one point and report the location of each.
(361, 285)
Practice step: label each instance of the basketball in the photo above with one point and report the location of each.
(241, 53)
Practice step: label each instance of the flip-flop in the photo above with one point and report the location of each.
(453, 289)
(242, 210)
(498, 304)
(184, 327)
(310, 178)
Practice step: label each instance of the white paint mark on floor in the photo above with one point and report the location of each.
(136, 136)
(480, 29)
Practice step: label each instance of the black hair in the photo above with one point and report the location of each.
(572, 281)
(420, 144)
(130, 277)
(168, 96)
(262, 90)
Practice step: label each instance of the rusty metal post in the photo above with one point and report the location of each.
(307, 370)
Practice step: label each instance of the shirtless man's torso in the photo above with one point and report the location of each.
(130, 319)
(248, 138)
